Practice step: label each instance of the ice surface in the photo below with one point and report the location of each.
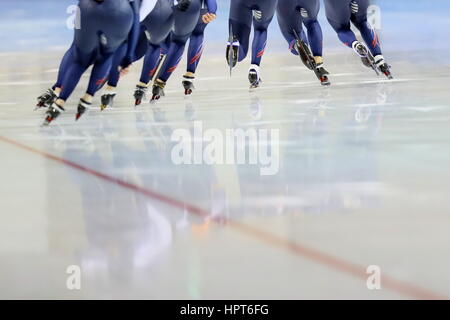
(363, 180)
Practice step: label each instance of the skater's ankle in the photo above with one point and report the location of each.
(160, 83)
(142, 84)
(189, 75)
(57, 90)
(110, 88)
(88, 98)
(60, 103)
(318, 60)
(254, 67)
(379, 59)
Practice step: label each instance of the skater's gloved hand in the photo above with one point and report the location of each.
(183, 5)
(208, 17)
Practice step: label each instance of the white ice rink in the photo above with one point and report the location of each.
(363, 180)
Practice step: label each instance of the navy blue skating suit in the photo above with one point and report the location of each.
(244, 13)
(104, 27)
(292, 15)
(341, 13)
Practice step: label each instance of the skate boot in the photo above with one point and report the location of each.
(366, 57)
(158, 90)
(363, 52)
(83, 106)
(188, 84)
(53, 112)
(46, 99)
(386, 70)
(232, 53)
(322, 75)
(383, 66)
(140, 93)
(253, 76)
(107, 100)
(360, 49)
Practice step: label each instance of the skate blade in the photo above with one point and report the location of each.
(155, 98)
(47, 121)
(231, 62)
(324, 81)
(78, 116)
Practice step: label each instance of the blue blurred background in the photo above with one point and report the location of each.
(40, 25)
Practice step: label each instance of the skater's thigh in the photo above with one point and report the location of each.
(115, 36)
(142, 45)
(240, 13)
(361, 15)
(363, 5)
(311, 6)
(200, 27)
(110, 19)
(185, 22)
(288, 17)
(267, 8)
(338, 11)
(159, 23)
(86, 40)
(288, 11)
(263, 24)
(339, 25)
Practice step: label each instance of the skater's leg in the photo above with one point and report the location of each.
(359, 19)
(259, 44)
(114, 74)
(99, 73)
(310, 11)
(266, 10)
(46, 99)
(195, 49)
(65, 63)
(338, 15)
(289, 19)
(344, 32)
(70, 80)
(107, 99)
(315, 36)
(104, 27)
(142, 45)
(150, 64)
(185, 24)
(166, 44)
(158, 24)
(240, 23)
(174, 55)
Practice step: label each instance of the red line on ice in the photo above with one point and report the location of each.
(328, 260)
